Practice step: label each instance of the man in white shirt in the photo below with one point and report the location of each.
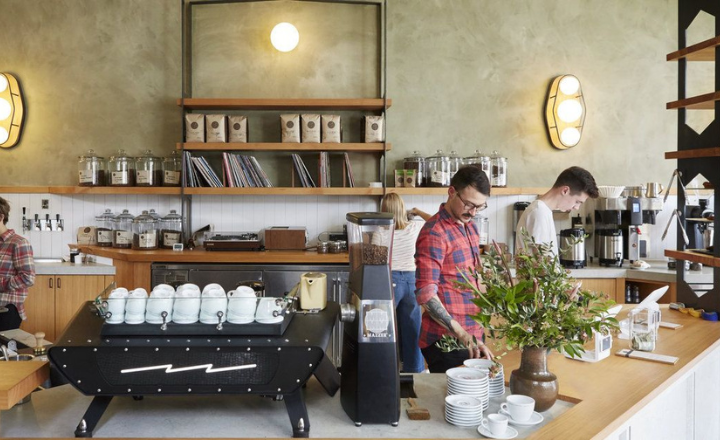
(572, 187)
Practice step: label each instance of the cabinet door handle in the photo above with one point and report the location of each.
(58, 282)
(50, 282)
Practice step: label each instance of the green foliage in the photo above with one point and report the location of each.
(541, 307)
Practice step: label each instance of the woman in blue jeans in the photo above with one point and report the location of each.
(403, 277)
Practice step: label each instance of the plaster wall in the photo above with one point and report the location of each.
(463, 75)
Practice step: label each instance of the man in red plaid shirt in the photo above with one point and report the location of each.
(17, 272)
(449, 242)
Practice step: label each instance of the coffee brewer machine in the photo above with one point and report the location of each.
(370, 382)
(618, 224)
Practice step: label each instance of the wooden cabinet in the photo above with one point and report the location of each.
(54, 299)
(612, 287)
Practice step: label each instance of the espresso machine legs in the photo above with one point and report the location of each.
(295, 405)
(92, 416)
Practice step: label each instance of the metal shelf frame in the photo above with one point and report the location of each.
(187, 7)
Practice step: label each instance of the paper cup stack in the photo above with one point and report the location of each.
(469, 382)
(497, 383)
(462, 410)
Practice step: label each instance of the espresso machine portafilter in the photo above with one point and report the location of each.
(370, 381)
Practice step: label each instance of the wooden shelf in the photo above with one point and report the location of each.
(139, 190)
(693, 154)
(700, 102)
(707, 260)
(286, 146)
(434, 191)
(287, 191)
(284, 104)
(702, 51)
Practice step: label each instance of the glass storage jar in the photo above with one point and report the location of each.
(104, 228)
(499, 170)
(122, 230)
(145, 233)
(482, 160)
(91, 169)
(417, 162)
(148, 170)
(438, 167)
(170, 230)
(121, 170)
(455, 162)
(172, 170)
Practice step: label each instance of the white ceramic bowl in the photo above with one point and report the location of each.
(610, 192)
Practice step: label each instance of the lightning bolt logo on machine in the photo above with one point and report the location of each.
(169, 368)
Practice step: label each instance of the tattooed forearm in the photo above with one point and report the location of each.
(438, 312)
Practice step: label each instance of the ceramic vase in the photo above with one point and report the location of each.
(533, 378)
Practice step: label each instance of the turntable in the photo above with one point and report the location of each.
(234, 241)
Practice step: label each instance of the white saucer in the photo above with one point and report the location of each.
(273, 320)
(510, 433)
(534, 419)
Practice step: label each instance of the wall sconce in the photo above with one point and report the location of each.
(12, 110)
(284, 37)
(565, 112)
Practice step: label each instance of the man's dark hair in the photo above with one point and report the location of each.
(471, 175)
(579, 180)
(4, 210)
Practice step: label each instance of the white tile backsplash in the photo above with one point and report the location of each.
(253, 213)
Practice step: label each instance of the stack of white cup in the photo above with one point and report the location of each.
(186, 309)
(116, 305)
(214, 303)
(135, 306)
(161, 300)
(242, 303)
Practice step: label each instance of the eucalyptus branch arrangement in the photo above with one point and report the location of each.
(541, 306)
(450, 343)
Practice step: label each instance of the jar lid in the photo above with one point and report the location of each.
(454, 154)
(90, 154)
(439, 155)
(416, 157)
(145, 217)
(172, 216)
(124, 216)
(105, 216)
(173, 157)
(154, 215)
(476, 155)
(496, 155)
(120, 154)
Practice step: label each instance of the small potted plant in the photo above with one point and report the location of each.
(539, 309)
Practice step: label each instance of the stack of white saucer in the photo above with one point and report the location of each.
(470, 382)
(462, 410)
(497, 383)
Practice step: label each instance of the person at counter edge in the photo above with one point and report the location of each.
(403, 269)
(571, 189)
(17, 272)
(449, 240)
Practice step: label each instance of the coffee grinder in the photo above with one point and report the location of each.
(370, 382)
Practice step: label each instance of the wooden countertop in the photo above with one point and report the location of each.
(611, 391)
(18, 379)
(200, 255)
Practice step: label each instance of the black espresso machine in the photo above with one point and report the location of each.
(124, 360)
(370, 381)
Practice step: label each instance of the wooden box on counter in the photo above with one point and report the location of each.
(285, 238)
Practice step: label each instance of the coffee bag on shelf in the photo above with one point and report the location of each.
(310, 127)
(290, 127)
(194, 127)
(399, 178)
(331, 129)
(237, 128)
(215, 128)
(374, 130)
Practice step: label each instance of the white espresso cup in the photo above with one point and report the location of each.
(519, 407)
(116, 305)
(161, 300)
(213, 302)
(242, 304)
(135, 306)
(495, 423)
(266, 308)
(186, 308)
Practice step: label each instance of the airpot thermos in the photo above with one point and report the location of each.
(572, 248)
(370, 381)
